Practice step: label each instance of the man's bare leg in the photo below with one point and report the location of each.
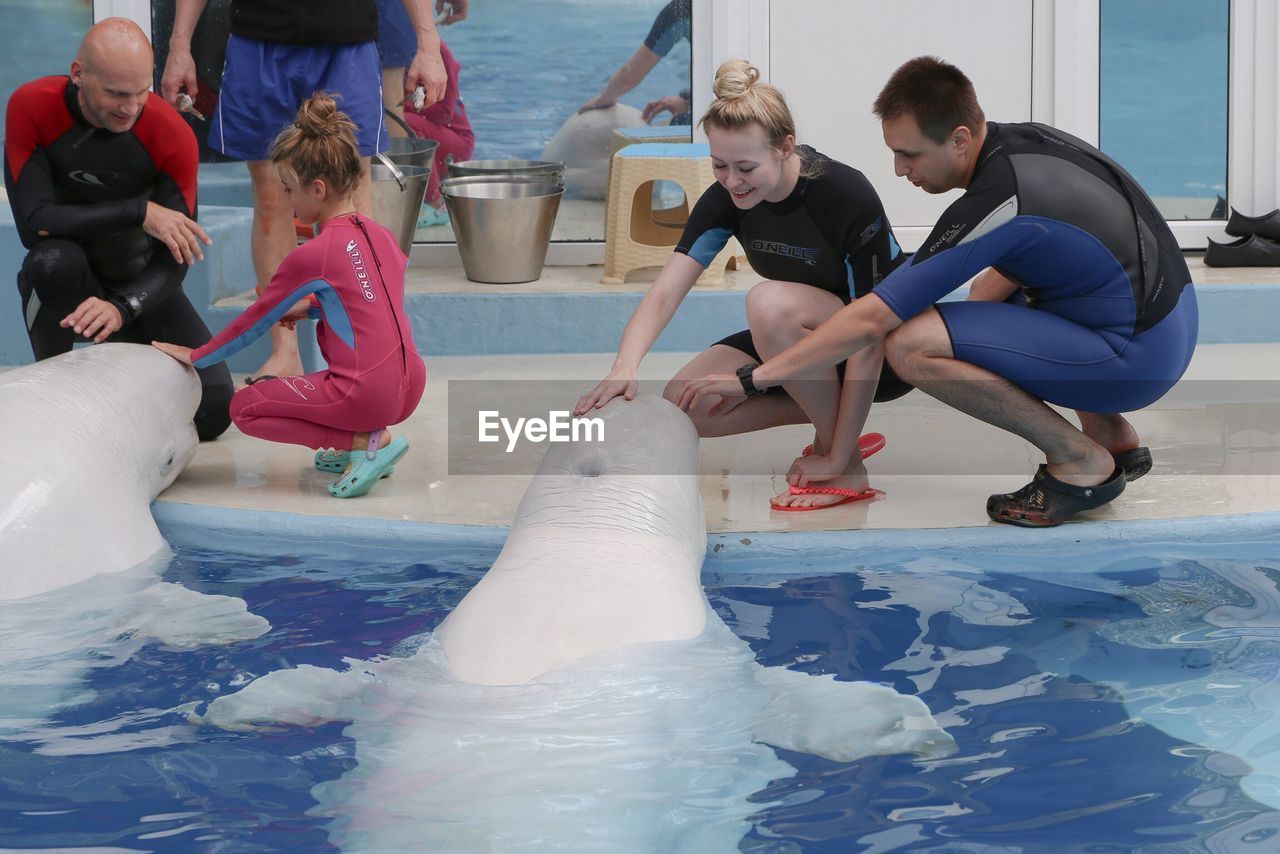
(273, 238)
(920, 352)
(1111, 431)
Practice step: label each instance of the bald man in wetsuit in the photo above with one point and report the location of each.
(101, 176)
(1088, 303)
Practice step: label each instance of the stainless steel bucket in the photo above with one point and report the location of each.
(411, 150)
(398, 192)
(543, 169)
(502, 225)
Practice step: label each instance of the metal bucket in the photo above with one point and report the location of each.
(412, 150)
(502, 225)
(545, 170)
(398, 192)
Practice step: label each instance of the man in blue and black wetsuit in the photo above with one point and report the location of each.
(101, 176)
(1092, 306)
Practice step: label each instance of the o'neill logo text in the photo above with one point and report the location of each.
(558, 427)
(947, 236)
(357, 267)
(808, 256)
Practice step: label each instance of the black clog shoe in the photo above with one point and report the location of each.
(1267, 225)
(1251, 251)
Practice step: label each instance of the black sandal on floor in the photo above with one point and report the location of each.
(1046, 501)
(1136, 462)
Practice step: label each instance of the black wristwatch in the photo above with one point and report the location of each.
(744, 377)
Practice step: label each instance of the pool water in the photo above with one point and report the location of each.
(1112, 703)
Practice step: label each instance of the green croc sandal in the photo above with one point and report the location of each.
(336, 462)
(367, 468)
(332, 460)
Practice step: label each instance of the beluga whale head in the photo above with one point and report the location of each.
(96, 434)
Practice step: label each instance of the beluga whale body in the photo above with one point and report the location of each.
(94, 435)
(583, 144)
(583, 695)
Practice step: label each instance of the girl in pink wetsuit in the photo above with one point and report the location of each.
(352, 278)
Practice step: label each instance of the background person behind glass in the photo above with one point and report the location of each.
(397, 43)
(670, 27)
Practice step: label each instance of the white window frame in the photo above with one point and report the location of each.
(1065, 77)
(1064, 86)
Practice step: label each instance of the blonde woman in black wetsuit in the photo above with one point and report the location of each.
(816, 230)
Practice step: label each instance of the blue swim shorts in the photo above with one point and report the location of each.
(397, 42)
(263, 84)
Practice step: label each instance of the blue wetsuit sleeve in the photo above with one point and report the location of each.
(711, 224)
(670, 26)
(956, 250)
(264, 314)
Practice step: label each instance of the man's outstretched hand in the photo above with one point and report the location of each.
(95, 319)
(178, 231)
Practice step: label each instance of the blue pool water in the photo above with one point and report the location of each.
(1099, 703)
(527, 67)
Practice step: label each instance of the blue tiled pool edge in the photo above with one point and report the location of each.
(192, 524)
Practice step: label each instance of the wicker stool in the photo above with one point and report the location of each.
(622, 137)
(633, 237)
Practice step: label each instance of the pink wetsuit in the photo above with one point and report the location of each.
(353, 273)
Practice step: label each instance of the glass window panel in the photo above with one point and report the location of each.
(526, 68)
(1163, 100)
(208, 48)
(44, 44)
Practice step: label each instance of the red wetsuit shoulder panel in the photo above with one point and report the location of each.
(172, 145)
(36, 116)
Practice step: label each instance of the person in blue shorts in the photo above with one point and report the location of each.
(1090, 304)
(279, 53)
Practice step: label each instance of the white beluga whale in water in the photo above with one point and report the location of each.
(584, 144)
(94, 435)
(583, 694)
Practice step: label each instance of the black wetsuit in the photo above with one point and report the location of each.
(79, 196)
(1106, 317)
(831, 232)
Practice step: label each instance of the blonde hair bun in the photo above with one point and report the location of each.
(320, 143)
(319, 116)
(734, 79)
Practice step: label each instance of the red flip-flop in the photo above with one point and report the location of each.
(868, 445)
(848, 495)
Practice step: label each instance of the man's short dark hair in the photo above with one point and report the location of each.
(937, 94)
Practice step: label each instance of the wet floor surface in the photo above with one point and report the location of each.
(1215, 439)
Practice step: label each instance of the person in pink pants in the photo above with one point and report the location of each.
(446, 122)
(352, 278)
